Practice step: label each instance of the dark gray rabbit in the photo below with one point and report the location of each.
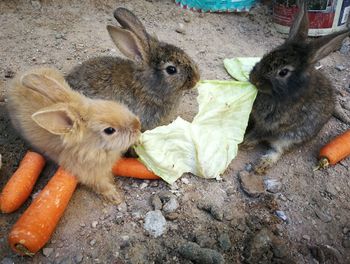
(150, 83)
(294, 100)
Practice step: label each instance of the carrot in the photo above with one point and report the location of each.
(336, 150)
(21, 184)
(131, 167)
(34, 228)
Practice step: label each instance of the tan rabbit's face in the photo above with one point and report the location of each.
(111, 126)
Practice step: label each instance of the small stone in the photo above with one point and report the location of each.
(78, 257)
(92, 242)
(156, 202)
(340, 67)
(224, 241)
(205, 241)
(272, 185)
(170, 206)
(230, 191)
(185, 181)
(35, 4)
(229, 215)
(251, 184)
(306, 237)
(7, 261)
(155, 223)
(143, 185)
(82, 224)
(282, 215)
(324, 217)
(346, 242)
(154, 184)
(345, 230)
(215, 210)
(47, 251)
(94, 224)
(172, 216)
(279, 248)
(181, 29)
(9, 73)
(125, 242)
(195, 253)
(248, 167)
(187, 19)
(122, 207)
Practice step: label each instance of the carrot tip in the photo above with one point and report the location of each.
(23, 250)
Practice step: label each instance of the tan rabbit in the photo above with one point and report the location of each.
(84, 136)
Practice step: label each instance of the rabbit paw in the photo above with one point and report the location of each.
(113, 195)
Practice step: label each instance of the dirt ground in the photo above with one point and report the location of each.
(215, 221)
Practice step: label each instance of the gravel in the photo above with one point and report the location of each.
(155, 223)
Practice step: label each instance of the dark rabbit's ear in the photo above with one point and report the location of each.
(300, 27)
(130, 22)
(127, 43)
(323, 46)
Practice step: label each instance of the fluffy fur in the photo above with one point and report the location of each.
(143, 82)
(294, 100)
(69, 127)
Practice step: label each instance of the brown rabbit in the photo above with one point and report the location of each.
(294, 100)
(84, 136)
(150, 83)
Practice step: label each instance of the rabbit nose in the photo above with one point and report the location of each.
(136, 125)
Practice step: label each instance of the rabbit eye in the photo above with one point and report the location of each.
(283, 72)
(171, 70)
(109, 130)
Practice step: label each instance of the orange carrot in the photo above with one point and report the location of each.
(131, 167)
(21, 184)
(34, 228)
(336, 150)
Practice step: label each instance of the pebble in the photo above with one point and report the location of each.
(172, 216)
(248, 167)
(92, 242)
(251, 184)
(205, 241)
(7, 261)
(346, 242)
(122, 207)
(340, 67)
(47, 251)
(185, 181)
(282, 215)
(187, 19)
(94, 224)
(195, 253)
(155, 223)
(324, 217)
(215, 210)
(180, 29)
(230, 191)
(35, 4)
(224, 241)
(272, 185)
(9, 73)
(82, 225)
(170, 206)
(306, 237)
(125, 242)
(78, 257)
(156, 202)
(143, 185)
(345, 230)
(168, 200)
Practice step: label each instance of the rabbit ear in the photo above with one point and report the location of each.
(127, 43)
(323, 46)
(46, 86)
(56, 119)
(130, 22)
(300, 27)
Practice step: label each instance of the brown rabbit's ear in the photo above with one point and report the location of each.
(127, 43)
(300, 27)
(46, 86)
(56, 119)
(130, 22)
(323, 46)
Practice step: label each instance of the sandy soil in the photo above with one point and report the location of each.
(227, 225)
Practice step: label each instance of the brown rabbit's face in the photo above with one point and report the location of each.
(281, 72)
(111, 126)
(172, 69)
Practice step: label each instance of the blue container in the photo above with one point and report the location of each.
(217, 5)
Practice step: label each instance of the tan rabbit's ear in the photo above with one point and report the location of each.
(323, 46)
(127, 43)
(300, 27)
(57, 119)
(46, 86)
(130, 22)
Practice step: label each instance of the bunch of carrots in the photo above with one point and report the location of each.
(36, 225)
